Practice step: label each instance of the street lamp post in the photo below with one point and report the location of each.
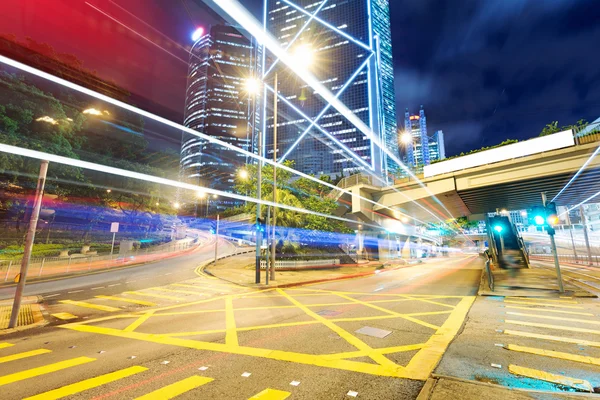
(274, 239)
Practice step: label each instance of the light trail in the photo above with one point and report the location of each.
(146, 114)
(134, 31)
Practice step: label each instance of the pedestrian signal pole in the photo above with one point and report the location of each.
(550, 219)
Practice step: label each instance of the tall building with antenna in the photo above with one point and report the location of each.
(418, 148)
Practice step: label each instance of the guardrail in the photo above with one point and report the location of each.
(490, 276)
(582, 259)
(304, 264)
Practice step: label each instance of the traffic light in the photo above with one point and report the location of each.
(537, 215)
(498, 224)
(213, 227)
(260, 225)
(551, 214)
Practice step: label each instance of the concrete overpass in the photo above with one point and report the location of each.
(510, 177)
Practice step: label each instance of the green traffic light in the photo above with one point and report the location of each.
(498, 228)
(539, 220)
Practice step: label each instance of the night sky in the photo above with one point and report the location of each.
(485, 70)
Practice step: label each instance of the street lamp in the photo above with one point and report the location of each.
(243, 174)
(406, 138)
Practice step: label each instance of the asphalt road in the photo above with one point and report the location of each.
(205, 338)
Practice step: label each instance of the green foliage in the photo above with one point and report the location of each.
(504, 143)
(552, 127)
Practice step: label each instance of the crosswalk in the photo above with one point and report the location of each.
(191, 384)
(190, 290)
(541, 329)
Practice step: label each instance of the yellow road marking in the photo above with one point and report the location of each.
(585, 321)
(353, 340)
(89, 305)
(195, 287)
(24, 355)
(87, 384)
(423, 363)
(231, 338)
(46, 369)
(175, 291)
(555, 354)
(542, 299)
(580, 384)
(5, 345)
(65, 316)
(385, 350)
(271, 394)
(557, 327)
(127, 300)
(552, 311)
(433, 302)
(541, 304)
(553, 338)
(158, 296)
(134, 325)
(177, 388)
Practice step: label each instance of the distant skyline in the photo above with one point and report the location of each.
(485, 70)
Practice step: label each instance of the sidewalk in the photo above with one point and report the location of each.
(528, 282)
(442, 388)
(240, 270)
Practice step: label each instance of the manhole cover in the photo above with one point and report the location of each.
(328, 313)
(375, 332)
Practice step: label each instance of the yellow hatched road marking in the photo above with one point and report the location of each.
(90, 305)
(553, 338)
(555, 354)
(5, 345)
(46, 369)
(271, 394)
(158, 296)
(554, 318)
(551, 311)
(134, 301)
(135, 324)
(231, 338)
(580, 384)
(24, 355)
(385, 350)
(197, 287)
(177, 388)
(176, 291)
(65, 316)
(87, 384)
(542, 299)
(557, 327)
(353, 340)
(541, 304)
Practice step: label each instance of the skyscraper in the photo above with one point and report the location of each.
(221, 62)
(350, 43)
(419, 148)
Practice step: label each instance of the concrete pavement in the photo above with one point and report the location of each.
(301, 342)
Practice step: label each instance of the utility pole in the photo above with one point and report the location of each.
(258, 210)
(551, 232)
(585, 234)
(216, 239)
(274, 239)
(572, 240)
(37, 205)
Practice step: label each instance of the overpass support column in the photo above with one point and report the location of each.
(361, 208)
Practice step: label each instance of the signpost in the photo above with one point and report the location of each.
(114, 228)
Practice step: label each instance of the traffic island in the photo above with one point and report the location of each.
(30, 315)
(241, 271)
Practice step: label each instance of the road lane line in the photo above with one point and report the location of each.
(46, 369)
(116, 284)
(553, 338)
(65, 316)
(158, 296)
(555, 354)
(98, 287)
(542, 304)
(231, 338)
(5, 345)
(51, 295)
(177, 388)
(133, 326)
(271, 394)
(26, 354)
(347, 336)
(543, 299)
(76, 291)
(551, 311)
(87, 384)
(90, 305)
(580, 384)
(196, 287)
(547, 326)
(554, 318)
(175, 291)
(141, 302)
(384, 350)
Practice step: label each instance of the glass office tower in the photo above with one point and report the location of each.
(218, 105)
(350, 44)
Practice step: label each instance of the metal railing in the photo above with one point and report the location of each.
(582, 259)
(80, 262)
(300, 264)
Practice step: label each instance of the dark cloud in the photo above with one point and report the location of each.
(488, 70)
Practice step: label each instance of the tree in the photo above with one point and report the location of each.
(552, 127)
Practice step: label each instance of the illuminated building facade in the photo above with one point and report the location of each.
(221, 61)
(420, 149)
(350, 41)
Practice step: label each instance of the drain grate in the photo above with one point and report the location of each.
(29, 314)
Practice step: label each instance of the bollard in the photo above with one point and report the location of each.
(7, 270)
(41, 267)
